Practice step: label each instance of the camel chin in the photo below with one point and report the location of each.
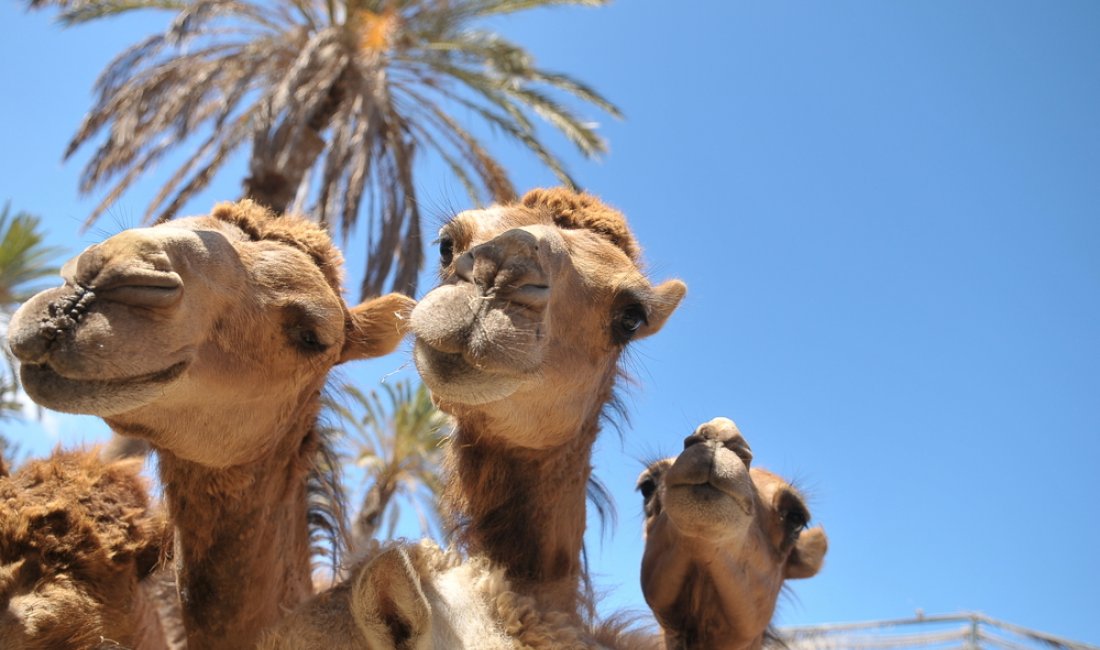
(103, 397)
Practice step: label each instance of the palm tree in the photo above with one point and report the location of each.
(25, 260)
(396, 435)
(367, 83)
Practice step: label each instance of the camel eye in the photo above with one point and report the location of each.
(795, 519)
(630, 320)
(301, 331)
(309, 341)
(647, 487)
(446, 250)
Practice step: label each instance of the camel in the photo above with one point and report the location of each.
(721, 539)
(416, 596)
(78, 545)
(211, 338)
(520, 343)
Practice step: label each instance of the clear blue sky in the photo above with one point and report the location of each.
(888, 217)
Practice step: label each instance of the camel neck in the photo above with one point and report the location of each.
(242, 548)
(696, 608)
(524, 508)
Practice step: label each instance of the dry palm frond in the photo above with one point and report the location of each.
(337, 99)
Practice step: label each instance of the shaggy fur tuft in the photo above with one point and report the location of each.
(579, 210)
(76, 538)
(79, 514)
(260, 224)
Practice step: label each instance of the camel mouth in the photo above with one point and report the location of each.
(710, 492)
(490, 332)
(52, 389)
(453, 378)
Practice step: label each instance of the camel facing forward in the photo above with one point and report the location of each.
(720, 541)
(521, 343)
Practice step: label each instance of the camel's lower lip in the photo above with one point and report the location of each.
(451, 376)
(42, 375)
(446, 366)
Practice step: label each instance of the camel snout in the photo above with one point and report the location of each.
(133, 268)
(39, 321)
(509, 266)
(721, 432)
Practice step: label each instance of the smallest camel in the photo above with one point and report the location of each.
(77, 538)
(721, 539)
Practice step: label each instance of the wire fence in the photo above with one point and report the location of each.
(963, 631)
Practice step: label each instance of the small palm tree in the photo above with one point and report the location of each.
(336, 98)
(396, 435)
(25, 260)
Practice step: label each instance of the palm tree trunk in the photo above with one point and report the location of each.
(281, 158)
(367, 522)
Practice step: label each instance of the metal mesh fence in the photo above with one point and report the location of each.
(966, 631)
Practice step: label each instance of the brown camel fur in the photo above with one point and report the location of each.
(211, 337)
(419, 597)
(521, 343)
(78, 544)
(721, 539)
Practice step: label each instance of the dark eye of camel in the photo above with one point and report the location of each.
(308, 339)
(794, 516)
(647, 487)
(301, 330)
(446, 250)
(629, 320)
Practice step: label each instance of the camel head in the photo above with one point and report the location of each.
(537, 302)
(76, 537)
(405, 597)
(721, 539)
(197, 322)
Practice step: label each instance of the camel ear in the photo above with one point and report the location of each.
(376, 327)
(808, 554)
(387, 603)
(666, 297)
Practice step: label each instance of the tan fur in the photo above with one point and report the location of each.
(211, 338)
(419, 597)
(578, 210)
(521, 343)
(77, 539)
(720, 541)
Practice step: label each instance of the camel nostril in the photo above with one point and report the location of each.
(705, 432)
(464, 267)
(695, 439)
(739, 446)
(532, 296)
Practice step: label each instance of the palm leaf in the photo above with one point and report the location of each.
(336, 100)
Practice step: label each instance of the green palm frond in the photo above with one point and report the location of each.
(25, 260)
(336, 100)
(396, 435)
